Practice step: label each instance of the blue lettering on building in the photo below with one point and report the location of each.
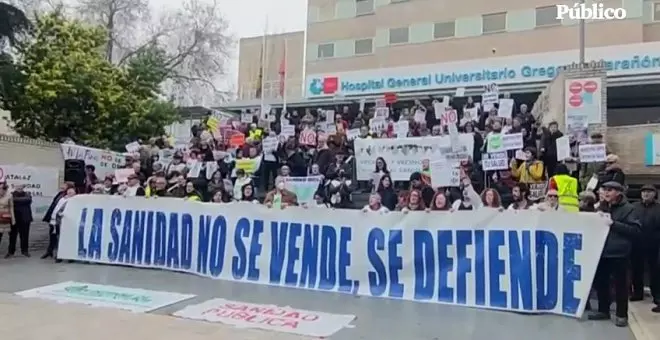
(486, 75)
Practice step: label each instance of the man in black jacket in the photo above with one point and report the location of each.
(624, 226)
(23, 213)
(646, 247)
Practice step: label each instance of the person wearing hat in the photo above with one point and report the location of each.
(612, 171)
(133, 187)
(646, 248)
(624, 227)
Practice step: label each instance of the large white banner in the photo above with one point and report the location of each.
(105, 161)
(524, 261)
(405, 155)
(41, 182)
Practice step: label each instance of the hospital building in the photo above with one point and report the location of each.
(354, 49)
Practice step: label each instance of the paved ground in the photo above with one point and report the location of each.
(376, 318)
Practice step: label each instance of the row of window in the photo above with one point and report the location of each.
(491, 23)
(361, 47)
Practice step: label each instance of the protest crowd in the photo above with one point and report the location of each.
(325, 159)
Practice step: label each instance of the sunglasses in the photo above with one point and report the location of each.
(552, 196)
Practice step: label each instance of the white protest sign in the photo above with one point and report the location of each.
(401, 128)
(267, 317)
(133, 147)
(269, 144)
(460, 92)
(363, 102)
(352, 134)
(253, 243)
(563, 145)
(165, 156)
(41, 182)
(211, 168)
(506, 108)
(380, 103)
(381, 113)
(592, 153)
(537, 191)
(498, 142)
(194, 169)
(490, 96)
(494, 161)
(420, 116)
(438, 108)
(404, 155)
(246, 117)
(377, 125)
(288, 130)
(104, 161)
(445, 174)
(130, 299)
(121, 175)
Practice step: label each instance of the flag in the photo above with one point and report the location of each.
(282, 72)
(260, 76)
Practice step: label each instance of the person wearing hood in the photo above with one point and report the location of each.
(646, 248)
(624, 228)
(417, 183)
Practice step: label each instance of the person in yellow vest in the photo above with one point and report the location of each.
(255, 134)
(567, 188)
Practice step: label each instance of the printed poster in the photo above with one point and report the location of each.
(105, 161)
(583, 98)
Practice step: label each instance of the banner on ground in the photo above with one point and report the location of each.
(404, 155)
(524, 261)
(41, 182)
(267, 317)
(105, 161)
(131, 299)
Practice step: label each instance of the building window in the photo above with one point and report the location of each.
(364, 7)
(443, 30)
(656, 11)
(547, 16)
(364, 46)
(399, 35)
(326, 50)
(493, 23)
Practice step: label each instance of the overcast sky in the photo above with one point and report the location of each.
(247, 18)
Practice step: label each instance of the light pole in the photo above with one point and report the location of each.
(582, 36)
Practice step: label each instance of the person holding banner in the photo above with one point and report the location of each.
(519, 194)
(440, 202)
(625, 226)
(191, 193)
(56, 222)
(470, 200)
(375, 205)
(280, 198)
(387, 193)
(414, 202)
(247, 193)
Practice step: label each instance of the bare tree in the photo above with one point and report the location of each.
(194, 37)
(121, 19)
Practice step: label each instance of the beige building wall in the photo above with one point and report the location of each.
(458, 30)
(250, 60)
